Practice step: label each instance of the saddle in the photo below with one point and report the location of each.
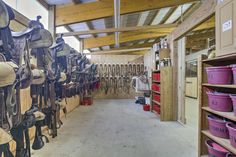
(5, 137)
(7, 73)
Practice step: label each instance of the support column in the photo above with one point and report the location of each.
(51, 21)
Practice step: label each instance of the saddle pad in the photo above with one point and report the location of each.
(38, 77)
(7, 73)
(5, 137)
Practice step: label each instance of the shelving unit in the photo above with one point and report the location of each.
(204, 133)
(165, 106)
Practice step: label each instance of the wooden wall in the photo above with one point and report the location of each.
(116, 59)
(72, 103)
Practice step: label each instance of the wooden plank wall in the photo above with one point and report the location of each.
(115, 59)
(72, 103)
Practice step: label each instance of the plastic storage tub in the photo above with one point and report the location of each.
(233, 98)
(216, 150)
(234, 72)
(156, 87)
(232, 133)
(220, 101)
(219, 75)
(217, 127)
(156, 97)
(156, 77)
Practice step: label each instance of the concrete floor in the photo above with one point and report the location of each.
(119, 128)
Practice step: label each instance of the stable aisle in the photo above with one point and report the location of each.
(119, 128)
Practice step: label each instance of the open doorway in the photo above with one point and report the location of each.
(197, 42)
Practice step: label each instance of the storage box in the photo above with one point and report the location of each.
(164, 53)
(156, 97)
(225, 27)
(156, 87)
(87, 100)
(156, 77)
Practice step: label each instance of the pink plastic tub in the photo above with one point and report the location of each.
(218, 127)
(233, 98)
(219, 75)
(232, 133)
(234, 72)
(215, 150)
(220, 101)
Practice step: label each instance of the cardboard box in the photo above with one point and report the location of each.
(164, 53)
(226, 27)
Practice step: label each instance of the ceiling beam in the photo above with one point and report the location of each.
(76, 13)
(120, 51)
(124, 29)
(127, 37)
(44, 4)
(70, 30)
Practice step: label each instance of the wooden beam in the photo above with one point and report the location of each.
(205, 11)
(44, 4)
(210, 23)
(75, 13)
(169, 13)
(124, 29)
(120, 51)
(51, 21)
(127, 37)
(200, 36)
(20, 18)
(70, 30)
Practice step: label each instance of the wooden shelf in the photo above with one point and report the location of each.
(219, 86)
(156, 71)
(228, 115)
(222, 58)
(223, 142)
(156, 102)
(155, 112)
(156, 92)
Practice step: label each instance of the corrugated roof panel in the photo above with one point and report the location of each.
(58, 2)
(141, 42)
(81, 27)
(143, 18)
(177, 13)
(61, 29)
(95, 49)
(161, 14)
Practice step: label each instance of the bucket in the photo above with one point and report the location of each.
(220, 101)
(232, 133)
(216, 150)
(219, 75)
(233, 98)
(217, 127)
(146, 107)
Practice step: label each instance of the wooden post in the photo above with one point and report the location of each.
(51, 21)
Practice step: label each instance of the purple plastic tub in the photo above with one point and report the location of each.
(219, 75)
(220, 101)
(215, 150)
(234, 72)
(233, 98)
(218, 127)
(232, 133)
